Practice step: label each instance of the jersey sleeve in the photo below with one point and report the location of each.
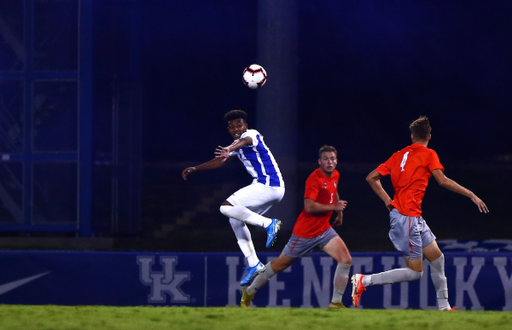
(385, 168)
(312, 187)
(253, 134)
(434, 163)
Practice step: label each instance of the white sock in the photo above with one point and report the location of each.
(244, 240)
(392, 276)
(261, 280)
(439, 279)
(245, 215)
(340, 282)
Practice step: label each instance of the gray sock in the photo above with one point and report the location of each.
(392, 276)
(340, 282)
(439, 279)
(261, 280)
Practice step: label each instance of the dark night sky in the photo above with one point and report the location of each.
(366, 70)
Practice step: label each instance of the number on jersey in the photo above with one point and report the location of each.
(404, 160)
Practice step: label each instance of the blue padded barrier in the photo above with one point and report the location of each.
(476, 281)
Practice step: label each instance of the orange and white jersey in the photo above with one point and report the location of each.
(410, 170)
(323, 190)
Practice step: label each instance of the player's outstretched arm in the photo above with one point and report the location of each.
(223, 152)
(455, 187)
(209, 165)
(374, 180)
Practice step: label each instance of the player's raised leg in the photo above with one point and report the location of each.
(243, 214)
(248, 205)
(361, 282)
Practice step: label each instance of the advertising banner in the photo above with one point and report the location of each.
(476, 281)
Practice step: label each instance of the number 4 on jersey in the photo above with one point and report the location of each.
(404, 160)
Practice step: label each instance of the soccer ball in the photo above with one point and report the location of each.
(254, 76)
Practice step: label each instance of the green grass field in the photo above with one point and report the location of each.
(14, 317)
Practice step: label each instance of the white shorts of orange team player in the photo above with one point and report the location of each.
(409, 234)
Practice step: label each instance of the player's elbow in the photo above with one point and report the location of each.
(443, 182)
(308, 208)
(372, 177)
(309, 205)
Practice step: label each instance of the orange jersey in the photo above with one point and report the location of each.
(410, 170)
(323, 190)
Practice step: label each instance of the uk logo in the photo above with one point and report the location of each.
(166, 282)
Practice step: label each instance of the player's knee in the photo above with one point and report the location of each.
(277, 266)
(281, 263)
(414, 275)
(224, 209)
(346, 259)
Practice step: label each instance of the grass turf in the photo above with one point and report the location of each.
(15, 317)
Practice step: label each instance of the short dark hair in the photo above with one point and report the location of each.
(235, 114)
(327, 148)
(420, 128)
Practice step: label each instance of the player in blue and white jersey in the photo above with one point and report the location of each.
(247, 205)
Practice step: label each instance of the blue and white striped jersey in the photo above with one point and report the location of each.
(259, 161)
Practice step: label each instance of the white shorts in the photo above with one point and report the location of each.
(409, 234)
(257, 197)
(298, 247)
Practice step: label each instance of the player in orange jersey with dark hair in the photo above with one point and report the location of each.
(410, 169)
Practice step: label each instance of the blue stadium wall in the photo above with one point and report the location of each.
(476, 281)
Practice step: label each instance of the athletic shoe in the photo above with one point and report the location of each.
(336, 305)
(272, 230)
(357, 288)
(246, 298)
(449, 309)
(252, 272)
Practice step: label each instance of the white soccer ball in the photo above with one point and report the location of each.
(254, 76)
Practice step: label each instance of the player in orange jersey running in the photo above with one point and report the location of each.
(312, 229)
(410, 170)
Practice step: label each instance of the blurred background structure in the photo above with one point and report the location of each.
(103, 104)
